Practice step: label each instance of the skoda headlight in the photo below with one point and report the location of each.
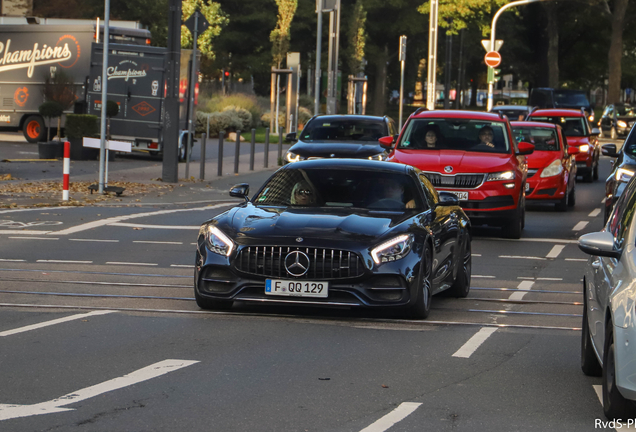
(216, 241)
(555, 168)
(621, 123)
(623, 175)
(392, 250)
(293, 157)
(505, 175)
(378, 157)
(584, 148)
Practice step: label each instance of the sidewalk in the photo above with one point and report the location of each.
(39, 183)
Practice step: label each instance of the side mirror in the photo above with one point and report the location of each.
(599, 244)
(573, 150)
(291, 137)
(525, 148)
(609, 150)
(386, 142)
(595, 132)
(448, 199)
(240, 191)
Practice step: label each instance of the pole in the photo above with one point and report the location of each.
(402, 60)
(193, 75)
(67, 167)
(318, 54)
(447, 70)
(266, 161)
(102, 132)
(252, 149)
(237, 151)
(204, 138)
(170, 118)
(432, 57)
(219, 171)
(460, 85)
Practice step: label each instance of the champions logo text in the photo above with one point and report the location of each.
(31, 58)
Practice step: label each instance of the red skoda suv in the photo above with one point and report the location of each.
(472, 155)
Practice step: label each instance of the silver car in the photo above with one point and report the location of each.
(608, 337)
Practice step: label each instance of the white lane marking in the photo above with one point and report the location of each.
(549, 279)
(522, 257)
(25, 232)
(474, 342)
(577, 259)
(157, 242)
(8, 411)
(477, 255)
(483, 277)
(12, 260)
(182, 265)
(603, 202)
(595, 212)
(599, 392)
(131, 263)
(555, 251)
(53, 322)
(117, 219)
(524, 285)
(35, 238)
(36, 209)
(64, 261)
(579, 226)
(95, 240)
(539, 240)
(523, 277)
(174, 227)
(395, 416)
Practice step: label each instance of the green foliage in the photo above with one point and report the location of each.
(112, 108)
(357, 35)
(303, 116)
(51, 109)
(215, 16)
(280, 36)
(219, 121)
(455, 15)
(243, 101)
(60, 88)
(81, 125)
(244, 115)
(281, 118)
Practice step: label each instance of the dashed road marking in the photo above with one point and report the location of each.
(577, 259)
(53, 322)
(595, 212)
(182, 265)
(523, 257)
(482, 277)
(95, 240)
(555, 251)
(157, 242)
(64, 261)
(131, 263)
(579, 226)
(400, 413)
(36, 238)
(524, 285)
(174, 227)
(474, 342)
(12, 260)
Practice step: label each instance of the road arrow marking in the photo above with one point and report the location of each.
(8, 411)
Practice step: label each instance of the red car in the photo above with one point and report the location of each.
(472, 155)
(551, 167)
(579, 133)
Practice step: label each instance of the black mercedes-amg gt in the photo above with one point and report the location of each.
(336, 232)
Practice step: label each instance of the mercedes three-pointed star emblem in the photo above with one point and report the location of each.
(296, 263)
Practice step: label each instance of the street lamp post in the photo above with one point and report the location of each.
(492, 40)
(432, 57)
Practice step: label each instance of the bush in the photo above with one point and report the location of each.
(81, 125)
(112, 108)
(303, 116)
(51, 109)
(244, 101)
(219, 121)
(244, 115)
(281, 119)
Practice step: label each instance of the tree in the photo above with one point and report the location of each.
(280, 36)
(357, 38)
(60, 88)
(215, 16)
(616, 15)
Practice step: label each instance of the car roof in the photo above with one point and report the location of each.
(458, 114)
(354, 164)
(350, 116)
(532, 124)
(512, 107)
(559, 112)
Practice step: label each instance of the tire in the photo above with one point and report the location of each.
(589, 177)
(572, 200)
(461, 286)
(422, 306)
(595, 171)
(563, 205)
(615, 406)
(589, 363)
(613, 134)
(513, 227)
(34, 129)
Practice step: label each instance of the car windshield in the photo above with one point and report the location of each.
(625, 111)
(455, 134)
(340, 188)
(572, 126)
(344, 130)
(543, 139)
(568, 99)
(513, 113)
(630, 145)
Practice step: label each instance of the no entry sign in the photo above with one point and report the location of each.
(492, 59)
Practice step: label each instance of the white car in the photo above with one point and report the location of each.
(608, 337)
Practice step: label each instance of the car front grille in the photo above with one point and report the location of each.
(460, 181)
(324, 263)
(532, 171)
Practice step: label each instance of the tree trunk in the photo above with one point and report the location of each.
(473, 93)
(379, 92)
(616, 51)
(553, 45)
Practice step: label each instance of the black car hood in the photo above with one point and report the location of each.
(251, 224)
(344, 149)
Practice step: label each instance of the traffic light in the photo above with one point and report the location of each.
(496, 73)
(493, 75)
(227, 73)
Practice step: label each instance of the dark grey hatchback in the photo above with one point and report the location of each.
(341, 136)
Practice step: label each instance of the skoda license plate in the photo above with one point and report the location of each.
(462, 196)
(296, 288)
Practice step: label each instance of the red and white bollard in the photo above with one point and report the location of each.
(67, 169)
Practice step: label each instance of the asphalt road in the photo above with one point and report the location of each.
(132, 352)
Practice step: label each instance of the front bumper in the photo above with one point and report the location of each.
(491, 203)
(546, 189)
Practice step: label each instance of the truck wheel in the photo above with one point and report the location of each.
(34, 129)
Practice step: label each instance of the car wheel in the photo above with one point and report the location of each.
(513, 227)
(422, 306)
(563, 204)
(615, 406)
(589, 363)
(34, 129)
(461, 286)
(595, 171)
(572, 199)
(613, 134)
(589, 176)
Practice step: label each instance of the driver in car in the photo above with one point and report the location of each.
(391, 190)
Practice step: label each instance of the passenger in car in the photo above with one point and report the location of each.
(390, 190)
(486, 139)
(303, 194)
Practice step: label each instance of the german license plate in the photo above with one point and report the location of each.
(283, 287)
(527, 187)
(462, 196)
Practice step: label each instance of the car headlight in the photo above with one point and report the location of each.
(591, 118)
(392, 250)
(378, 157)
(216, 241)
(623, 175)
(584, 148)
(504, 175)
(293, 157)
(555, 168)
(621, 123)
